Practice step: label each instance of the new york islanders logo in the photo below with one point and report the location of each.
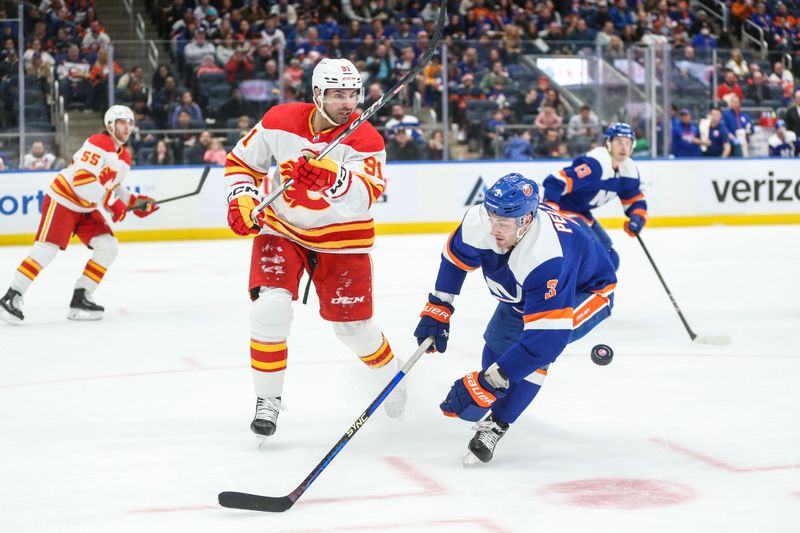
(527, 189)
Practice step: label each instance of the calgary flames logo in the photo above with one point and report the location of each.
(297, 197)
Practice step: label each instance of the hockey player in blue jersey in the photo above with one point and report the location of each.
(555, 282)
(594, 179)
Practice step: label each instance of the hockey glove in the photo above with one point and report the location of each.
(471, 396)
(435, 322)
(323, 175)
(142, 205)
(115, 206)
(635, 224)
(242, 199)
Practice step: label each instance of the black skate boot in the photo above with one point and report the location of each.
(481, 447)
(265, 422)
(11, 305)
(82, 308)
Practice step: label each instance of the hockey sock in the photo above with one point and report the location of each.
(270, 321)
(41, 255)
(105, 251)
(366, 340)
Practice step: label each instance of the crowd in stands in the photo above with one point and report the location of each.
(226, 58)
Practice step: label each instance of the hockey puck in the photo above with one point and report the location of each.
(602, 354)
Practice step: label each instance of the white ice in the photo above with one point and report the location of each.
(136, 422)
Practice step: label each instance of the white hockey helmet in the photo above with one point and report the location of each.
(335, 74)
(115, 113)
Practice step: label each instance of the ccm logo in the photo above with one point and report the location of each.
(436, 311)
(345, 300)
(476, 391)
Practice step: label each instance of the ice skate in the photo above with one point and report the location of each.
(265, 421)
(82, 308)
(481, 447)
(11, 307)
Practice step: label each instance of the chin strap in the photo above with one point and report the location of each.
(318, 104)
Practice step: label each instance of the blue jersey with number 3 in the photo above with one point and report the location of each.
(591, 181)
(542, 277)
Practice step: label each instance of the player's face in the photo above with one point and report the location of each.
(621, 148)
(122, 130)
(505, 230)
(339, 104)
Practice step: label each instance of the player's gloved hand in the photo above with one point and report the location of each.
(242, 199)
(471, 396)
(435, 322)
(142, 205)
(115, 206)
(635, 224)
(321, 175)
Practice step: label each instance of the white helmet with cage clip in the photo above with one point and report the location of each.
(335, 74)
(115, 113)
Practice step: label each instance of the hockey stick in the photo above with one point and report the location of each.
(721, 340)
(278, 504)
(141, 204)
(367, 114)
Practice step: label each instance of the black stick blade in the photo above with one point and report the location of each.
(253, 502)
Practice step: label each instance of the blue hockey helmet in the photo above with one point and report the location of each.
(512, 196)
(620, 129)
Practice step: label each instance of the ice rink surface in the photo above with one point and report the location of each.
(136, 422)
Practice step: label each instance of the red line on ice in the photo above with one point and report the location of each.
(718, 463)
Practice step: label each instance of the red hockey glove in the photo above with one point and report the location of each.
(142, 205)
(321, 175)
(115, 206)
(242, 199)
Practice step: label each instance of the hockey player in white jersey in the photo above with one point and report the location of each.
(320, 225)
(72, 207)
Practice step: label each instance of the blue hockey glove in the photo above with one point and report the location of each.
(635, 224)
(435, 322)
(471, 396)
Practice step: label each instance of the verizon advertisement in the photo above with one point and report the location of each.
(678, 192)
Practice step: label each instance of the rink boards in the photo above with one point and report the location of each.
(432, 197)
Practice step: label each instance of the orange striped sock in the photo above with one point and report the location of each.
(379, 357)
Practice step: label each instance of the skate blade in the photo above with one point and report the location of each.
(471, 460)
(261, 442)
(82, 314)
(7, 317)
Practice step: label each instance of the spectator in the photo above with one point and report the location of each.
(528, 106)
(547, 119)
(783, 143)
(135, 74)
(235, 106)
(737, 64)
(603, 38)
(719, 138)
(159, 77)
(402, 147)
(434, 150)
(73, 75)
(758, 90)
(519, 147)
(162, 101)
(495, 135)
(553, 99)
(36, 47)
(272, 35)
(186, 105)
(729, 87)
(375, 93)
(207, 66)
(781, 76)
(740, 125)
(547, 145)
(196, 153)
(244, 125)
(162, 155)
(197, 49)
(583, 130)
(686, 136)
(704, 42)
(98, 75)
(41, 70)
(401, 119)
(285, 12)
(496, 78)
(239, 67)
(38, 158)
(793, 115)
(95, 38)
(215, 153)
